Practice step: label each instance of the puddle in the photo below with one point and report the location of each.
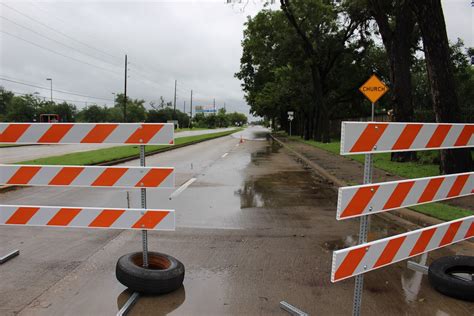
(203, 293)
(337, 244)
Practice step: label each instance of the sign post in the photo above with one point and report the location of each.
(373, 89)
(290, 118)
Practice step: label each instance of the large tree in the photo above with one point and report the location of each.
(429, 14)
(396, 25)
(324, 30)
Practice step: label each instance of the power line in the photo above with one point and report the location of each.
(57, 53)
(66, 100)
(58, 42)
(60, 91)
(59, 32)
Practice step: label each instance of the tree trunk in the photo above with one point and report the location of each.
(397, 41)
(430, 18)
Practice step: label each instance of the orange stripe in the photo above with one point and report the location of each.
(422, 241)
(23, 175)
(150, 219)
(465, 135)
(109, 177)
(145, 133)
(22, 215)
(66, 175)
(154, 177)
(99, 133)
(350, 263)
(359, 201)
(438, 136)
(106, 218)
(55, 133)
(398, 195)
(407, 136)
(390, 251)
(430, 190)
(470, 231)
(369, 137)
(458, 185)
(64, 216)
(450, 233)
(13, 132)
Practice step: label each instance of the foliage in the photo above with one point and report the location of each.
(28, 108)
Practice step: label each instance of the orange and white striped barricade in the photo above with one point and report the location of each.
(377, 137)
(87, 176)
(360, 201)
(87, 217)
(363, 258)
(87, 133)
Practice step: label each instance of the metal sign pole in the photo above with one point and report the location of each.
(290, 127)
(143, 200)
(363, 232)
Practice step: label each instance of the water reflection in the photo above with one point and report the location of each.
(412, 284)
(154, 305)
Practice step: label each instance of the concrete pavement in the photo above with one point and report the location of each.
(254, 229)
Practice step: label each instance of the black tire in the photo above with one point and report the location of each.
(441, 278)
(163, 275)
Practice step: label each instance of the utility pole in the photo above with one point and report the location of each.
(174, 105)
(215, 106)
(191, 103)
(51, 81)
(184, 107)
(224, 107)
(125, 93)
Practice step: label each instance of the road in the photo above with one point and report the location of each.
(255, 228)
(23, 153)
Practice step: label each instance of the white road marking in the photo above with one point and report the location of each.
(182, 188)
(223, 156)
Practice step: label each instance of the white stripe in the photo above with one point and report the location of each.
(223, 156)
(33, 133)
(77, 133)
(6, 172)
(389, 137)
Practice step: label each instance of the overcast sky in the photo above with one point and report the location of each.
(194, 42)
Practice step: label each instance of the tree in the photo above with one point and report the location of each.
(5, 99)
(93, 114)
(429, 14)
(396, 25)
(22, 109)
(324, 35)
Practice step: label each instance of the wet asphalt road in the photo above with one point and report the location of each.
(254, 229)
(23, 153)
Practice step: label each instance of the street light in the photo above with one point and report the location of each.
(51, 81)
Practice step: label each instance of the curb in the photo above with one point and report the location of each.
(404, 216)
(7, 188)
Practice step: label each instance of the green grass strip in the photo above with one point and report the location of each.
(409, 170)
(103, 155)
(442, 211)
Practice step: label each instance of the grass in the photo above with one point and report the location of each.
(442, 211)
(98, 156)
(424, 167)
